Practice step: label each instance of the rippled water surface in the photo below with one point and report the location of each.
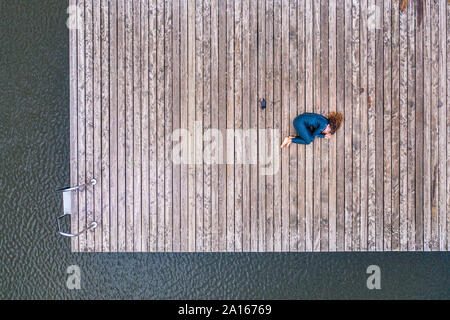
(34, 161)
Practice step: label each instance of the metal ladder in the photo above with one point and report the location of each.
(67, 207)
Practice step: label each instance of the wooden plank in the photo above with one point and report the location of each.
(184, 104)
(136, 131)
(443, 114)
(293, 112)
(121, 116)
(332, 191)
(215, 122)
(261, 125)
(230, 126)
(191, 121)
(153, 125)
(395, 131)
(364, 91)
(427, 126)
(238, 169)
(403, 132)
(271, 144)
(317, 185)
(379, 61)
(301, 186)
(97, 129)
(168, 127)
(419, 126)
(356, 129)
(176, 178)
(411, 157)
(92, 87)
(198, 127)
(93, 125)
(277, 120)
(145, 113)
(387, 112)
(340, 135)
(73, 67)
(285, 124)
(129, 116)
(246, 105)
(113, 124)
(371, 131)
(81, 98)
(253, 70)
(160, 120)
(222, 190)
(207, 121)
(324, 145)
(348, 126)
(448, 126)
(105, 163)
(309, 108)
(434, 196)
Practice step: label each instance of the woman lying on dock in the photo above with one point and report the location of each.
(312, 125)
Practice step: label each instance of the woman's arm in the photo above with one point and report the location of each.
(317, 133)
(321, 124)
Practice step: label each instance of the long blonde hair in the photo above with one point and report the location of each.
(335, 119)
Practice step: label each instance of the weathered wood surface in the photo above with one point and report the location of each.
(143, 70)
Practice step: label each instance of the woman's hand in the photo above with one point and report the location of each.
(328, 136)
(287, 141)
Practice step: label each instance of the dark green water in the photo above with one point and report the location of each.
(34, 161)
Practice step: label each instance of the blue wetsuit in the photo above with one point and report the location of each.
(309, 126)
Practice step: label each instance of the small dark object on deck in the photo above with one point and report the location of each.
(262, 103)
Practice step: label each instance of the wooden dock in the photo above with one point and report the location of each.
(142, 69)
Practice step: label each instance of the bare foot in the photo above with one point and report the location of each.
(286, 142)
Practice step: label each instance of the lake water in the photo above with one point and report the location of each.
(34, 162)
